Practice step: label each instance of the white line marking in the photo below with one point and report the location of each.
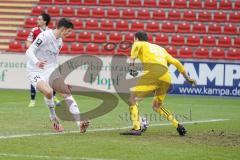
(49, 157)
(103, 129)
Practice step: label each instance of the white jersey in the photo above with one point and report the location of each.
(45, 47)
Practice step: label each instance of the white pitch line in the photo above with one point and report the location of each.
(102, 129)
(49, 157)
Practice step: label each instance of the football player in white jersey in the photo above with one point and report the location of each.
(42, 55)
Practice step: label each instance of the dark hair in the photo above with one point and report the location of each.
(63, 22)
(46, 18)
(141, 36)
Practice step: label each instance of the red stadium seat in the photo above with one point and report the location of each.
(185, 52)
(99, 37)
(214, 28)
(15, 46)
(210, 4)
(134, 3)
(78, 24)
(172, 51)
(92, 24)
(174, 15)
(68, 12)
(199, 28)
(136, 26)
(193, 40)
(208, 41)
(124, 49)
(225, 4)
(37, 10)
(168, 27)
(90, 2)
(237, 42)
(64, 49)
(204, 16)
(71, 37)
(83, 12)
(150, 38)
(53, 11)
(143, 14)
(108, 49)
(45, 1)
(230, 29)
(107, 25)
(52, 24)
(60, 2)
(92, 48)
(224, 42)
(201, 53)
(165, 4)
(122, 25)
(220, 16)
(180, 4)
(161, 39)
(84, 37)
(77, 48)
(237, 5)
(150, 3)
(233, 54)
(120, 3)
(129, 37)
(189, 15)
(234, 17)
(30, 22)
(115, 37)
(159, 15)
(75, 2)
(217, 53)
(22, 35)
(98, 13)
(113, 13)
(128, 13)
(177, 40)
(105, 2)
(152, 27)
(184, 28)
(195, 4)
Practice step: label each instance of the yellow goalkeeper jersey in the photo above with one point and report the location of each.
(152, 53)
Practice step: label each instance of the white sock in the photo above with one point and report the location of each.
(51, 106)
(73, 108)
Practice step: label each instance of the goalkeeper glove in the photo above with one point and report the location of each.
(133, 71)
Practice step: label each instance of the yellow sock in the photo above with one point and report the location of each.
(164, 112)
(134, 117)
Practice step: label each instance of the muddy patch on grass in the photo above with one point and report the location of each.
(215, 138)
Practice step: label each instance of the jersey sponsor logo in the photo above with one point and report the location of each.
(38, 42)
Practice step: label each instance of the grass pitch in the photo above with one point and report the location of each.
(26, 133)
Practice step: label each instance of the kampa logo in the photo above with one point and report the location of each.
(3, 75)
(209, 73)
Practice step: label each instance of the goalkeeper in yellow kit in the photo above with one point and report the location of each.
(156, 80)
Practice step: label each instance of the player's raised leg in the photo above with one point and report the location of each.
(33, 95)
(47, 91)
(74, 110)
(158, 107)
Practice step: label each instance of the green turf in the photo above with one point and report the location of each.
(215, 140)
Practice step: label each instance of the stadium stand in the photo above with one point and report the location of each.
(187, 28)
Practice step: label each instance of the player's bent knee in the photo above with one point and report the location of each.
(60, 86)
(49, 94)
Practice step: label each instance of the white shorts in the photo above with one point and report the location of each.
(36, 76)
